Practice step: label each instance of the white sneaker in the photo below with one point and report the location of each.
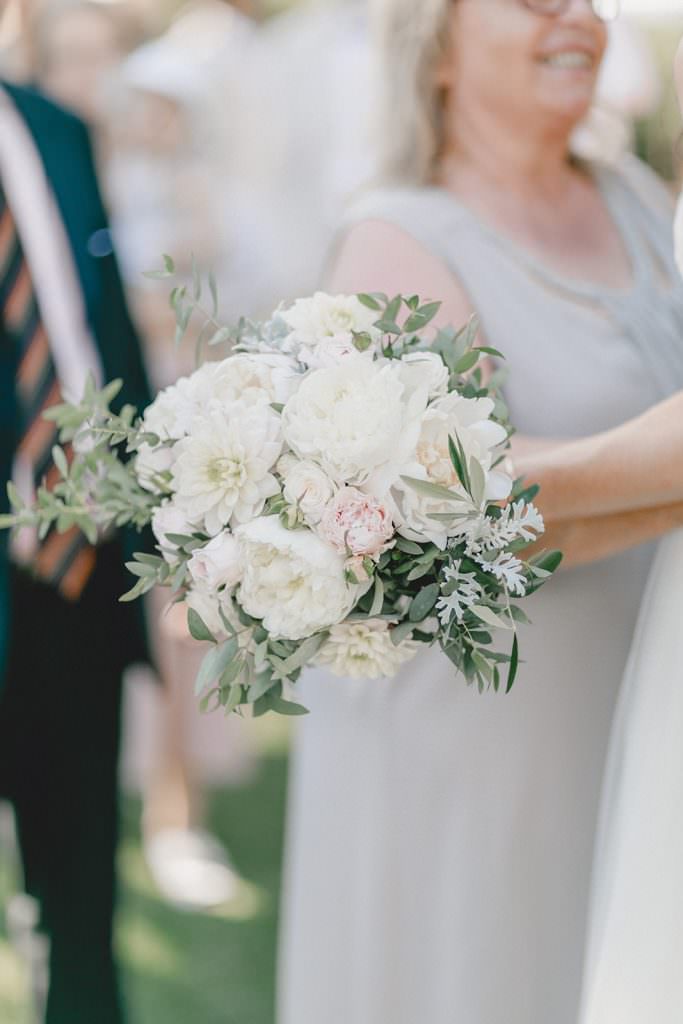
(191, 868)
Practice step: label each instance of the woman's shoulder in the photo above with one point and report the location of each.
(418, 210)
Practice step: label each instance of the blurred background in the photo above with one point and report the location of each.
(234, 131)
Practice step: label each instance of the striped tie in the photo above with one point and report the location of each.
(64, 560)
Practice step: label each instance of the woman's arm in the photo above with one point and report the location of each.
(589, 540)
(638, 465)
(376, 256)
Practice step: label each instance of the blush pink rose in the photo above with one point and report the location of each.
(357, 522)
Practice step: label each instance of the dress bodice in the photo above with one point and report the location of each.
(581, 357)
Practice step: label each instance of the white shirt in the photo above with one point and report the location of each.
(54, 277)
(48, 254)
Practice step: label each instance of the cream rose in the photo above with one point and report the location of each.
(306, 486)
(218, 563)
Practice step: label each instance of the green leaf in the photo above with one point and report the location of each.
(261, 685)
(488, 616)
(401, 632)
(198, 628)
(220, 337)
(369, 301)
(409, 546)
(235, 698)
(423, 602)
(430, 490)
(214, 293)
(285, 707)
(196, 280)
(393, 308)
(301, 656)
(477, 481)
(491, 351)
(468, 361)
(169, 265)
(547, 561)
(378, 598)
(215, 662)
(514, 664)
(231, 673)
(59, 459)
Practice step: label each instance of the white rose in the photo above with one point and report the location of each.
(222, 471)
(364, 650)
(246, 377)
(451, 416)
(293, 581)
(326, 321)
(427, 370)
(167, 519)
(307, 486)
(355, 420)
(217, 564)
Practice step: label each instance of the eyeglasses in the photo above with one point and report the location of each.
(605, 10)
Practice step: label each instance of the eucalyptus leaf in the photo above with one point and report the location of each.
(423, 602)
(198, 628)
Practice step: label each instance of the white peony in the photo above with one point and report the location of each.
(307, 486)
(355, 420)
(321, 327)
(364, 650)
(293, 581)
(222, 471)
(218, 563)
(468, 419)
(167, 519)
(427, 370)
(245, 377)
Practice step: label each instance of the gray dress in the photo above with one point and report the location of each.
(440, 841)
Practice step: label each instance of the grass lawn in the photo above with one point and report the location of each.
(184, 968)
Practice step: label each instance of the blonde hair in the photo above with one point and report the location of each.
(410, 38)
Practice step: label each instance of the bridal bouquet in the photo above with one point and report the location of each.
(331, 493)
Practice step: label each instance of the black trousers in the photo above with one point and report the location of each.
(59, 742)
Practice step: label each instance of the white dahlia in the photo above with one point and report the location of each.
(292, 580)
(222, 471)
(364, 650)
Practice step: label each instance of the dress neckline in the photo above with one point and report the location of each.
(604, 179)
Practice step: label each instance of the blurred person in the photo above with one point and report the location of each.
(76, 47)
(439, 840)
(167, 193)
(64, 637)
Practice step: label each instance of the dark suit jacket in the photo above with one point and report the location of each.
(64, 147)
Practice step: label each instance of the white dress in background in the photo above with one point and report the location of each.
(634, 962)
(440, 842)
